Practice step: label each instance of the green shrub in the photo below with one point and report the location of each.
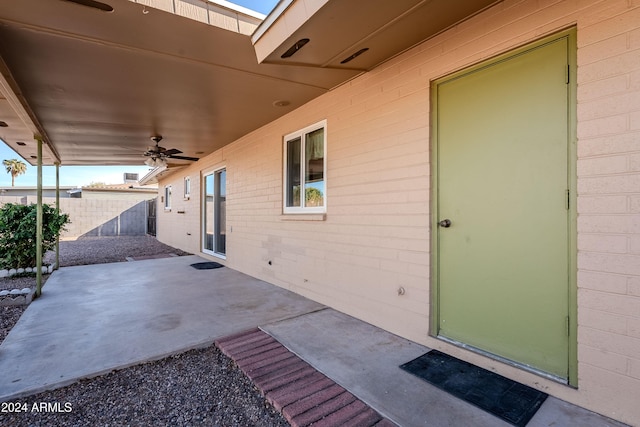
(18, 233)
(313, 197)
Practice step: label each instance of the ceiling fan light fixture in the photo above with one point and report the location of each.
(157, 156)
(155, 162)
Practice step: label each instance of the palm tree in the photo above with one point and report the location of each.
(14, 167)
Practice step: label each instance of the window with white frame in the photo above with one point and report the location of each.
(167, 198)
(305, 170)
(187, 187)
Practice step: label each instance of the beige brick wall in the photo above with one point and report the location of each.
(180, 225)
(375, 237)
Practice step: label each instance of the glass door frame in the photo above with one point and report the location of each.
(216, 215)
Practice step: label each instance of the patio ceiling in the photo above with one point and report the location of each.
(97, 85)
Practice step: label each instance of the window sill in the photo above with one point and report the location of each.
(303, 217)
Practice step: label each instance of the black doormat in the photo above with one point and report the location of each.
(506, 399)
(206, 265)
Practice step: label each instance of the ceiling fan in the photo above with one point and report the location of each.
(158, 155)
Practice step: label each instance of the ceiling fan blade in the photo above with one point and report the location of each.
(171, 152)
(193, 159)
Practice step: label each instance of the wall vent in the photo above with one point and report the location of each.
(94, 4)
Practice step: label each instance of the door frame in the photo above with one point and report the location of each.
(572, 328)
(203, 211)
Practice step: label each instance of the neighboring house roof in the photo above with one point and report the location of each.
(18, 189)
(27, 190)
(116, 188)
(119, 188)
(22, 190)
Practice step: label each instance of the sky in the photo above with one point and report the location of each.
(85, 175)
(76, 176)
(262, 6)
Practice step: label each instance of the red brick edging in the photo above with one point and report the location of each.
(304, 396)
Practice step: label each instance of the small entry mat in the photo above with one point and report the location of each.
(513, 402)
(206, 265)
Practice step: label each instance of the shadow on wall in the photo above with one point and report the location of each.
(131, 222)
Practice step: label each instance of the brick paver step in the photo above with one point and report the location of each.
(304, 396)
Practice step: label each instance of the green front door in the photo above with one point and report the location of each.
(502, 214)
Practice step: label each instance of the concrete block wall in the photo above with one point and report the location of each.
(375, 236)
(13, 199)
(94, 217)
(97, 217)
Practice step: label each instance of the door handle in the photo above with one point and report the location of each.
(445, 223)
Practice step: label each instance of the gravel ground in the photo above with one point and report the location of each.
(9, 315)
(198, 387)
(101, 250)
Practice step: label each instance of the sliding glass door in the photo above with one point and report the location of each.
(214, 216)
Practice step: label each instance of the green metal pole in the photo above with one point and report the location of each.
(57, 265)
(39, 222)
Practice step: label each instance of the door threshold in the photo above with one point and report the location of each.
(509, 362)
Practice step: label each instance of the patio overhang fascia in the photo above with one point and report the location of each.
(218, 13)
(94, 86)
(157, 173)
(355, 34)
(22, 125)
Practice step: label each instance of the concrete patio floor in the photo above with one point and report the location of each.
(98, 318)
